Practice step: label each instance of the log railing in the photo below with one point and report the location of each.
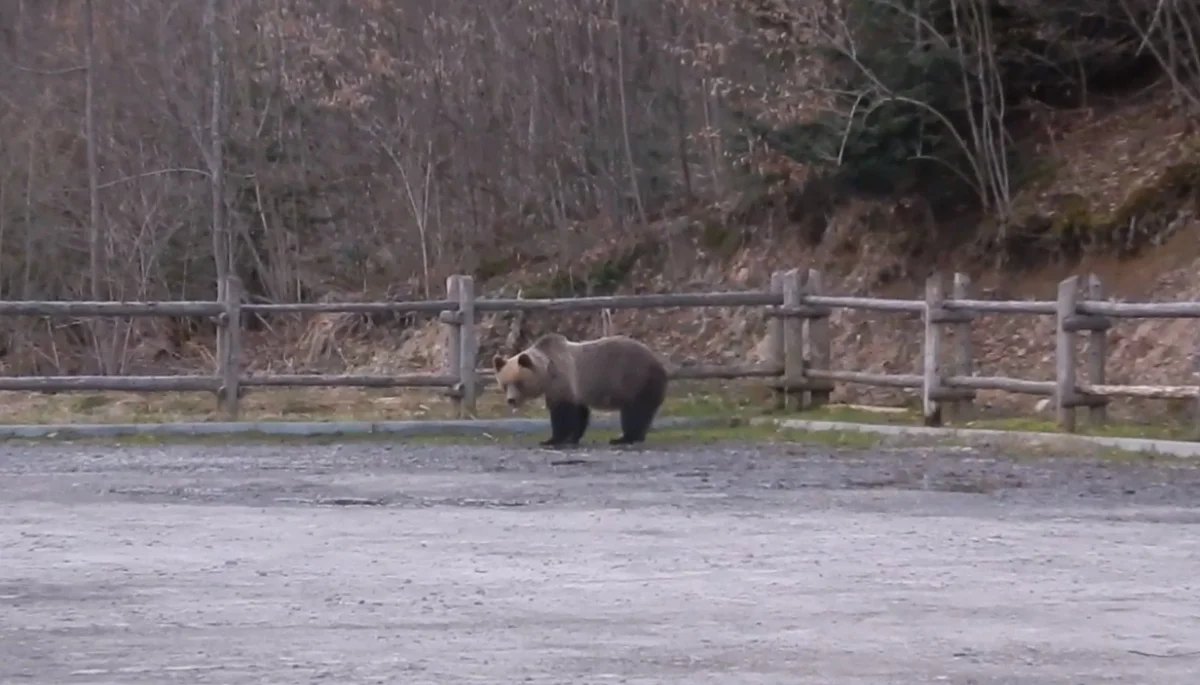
(800, 364)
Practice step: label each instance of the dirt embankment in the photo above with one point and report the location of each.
(1121, 200)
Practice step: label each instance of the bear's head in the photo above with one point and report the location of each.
(521, 377)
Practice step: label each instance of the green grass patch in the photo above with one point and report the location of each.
(1169, 429)
(734, 432)
(687, 399)
(842, 413)
(761, 433)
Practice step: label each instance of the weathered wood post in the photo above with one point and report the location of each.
(469, 345)
(1194, 433)
(229, 345)
(963, 362)
(775, 348)
(454, 341)
(931, 386)
(1097, 355)
(1065, 386)
(793, 337)
(819, 353)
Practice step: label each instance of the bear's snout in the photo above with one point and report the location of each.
(512, 401)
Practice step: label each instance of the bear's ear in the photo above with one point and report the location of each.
(525, 360)
(498, 362)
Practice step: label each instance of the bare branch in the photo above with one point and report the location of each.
(150, 174)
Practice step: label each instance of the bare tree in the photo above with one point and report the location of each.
(240, 136)
(216, 165)
(985, 105)
(1170, 31)
(96, 262)
(624, 112)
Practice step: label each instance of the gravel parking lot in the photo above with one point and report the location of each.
(373, 562)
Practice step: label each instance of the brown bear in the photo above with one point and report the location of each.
(610, 373)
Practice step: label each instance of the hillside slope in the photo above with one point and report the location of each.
(1105, 159)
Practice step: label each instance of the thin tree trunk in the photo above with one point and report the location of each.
(95, 230)
(633, 178)
(220, 234)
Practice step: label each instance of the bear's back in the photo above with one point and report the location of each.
(609, 372)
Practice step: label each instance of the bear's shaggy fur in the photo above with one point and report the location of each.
(614, 373)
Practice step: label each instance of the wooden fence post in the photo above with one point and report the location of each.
(1194, 434)
(229, 346)
(1065, 387)
(793, 338)
(931, 405)
(454, 341)
(775, 349)
(1097, 355)
(469, 345)
(819, 353)
(960, 406)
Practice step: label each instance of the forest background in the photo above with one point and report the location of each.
(360, 149)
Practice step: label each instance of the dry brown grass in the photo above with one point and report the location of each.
(286, 404)
(1104, 153)
(320, 404)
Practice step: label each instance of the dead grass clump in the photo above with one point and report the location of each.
(320, 338)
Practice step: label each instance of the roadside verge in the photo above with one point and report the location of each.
(1153, 446)
(303, 429)
(518, 426)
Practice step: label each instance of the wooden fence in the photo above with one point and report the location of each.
(800, 362)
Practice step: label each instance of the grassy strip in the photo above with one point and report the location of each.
(319, 404)
(736, 432)
(1167, 430)
(695, 399)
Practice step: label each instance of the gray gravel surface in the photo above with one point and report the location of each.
(723, 564)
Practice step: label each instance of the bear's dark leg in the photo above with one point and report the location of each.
(633, 426)
(583, 414)
(564, 417)
(637, 416)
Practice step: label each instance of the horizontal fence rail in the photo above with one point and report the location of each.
(417, 307)
(797, 311)
(577, 304)
(111, 309)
